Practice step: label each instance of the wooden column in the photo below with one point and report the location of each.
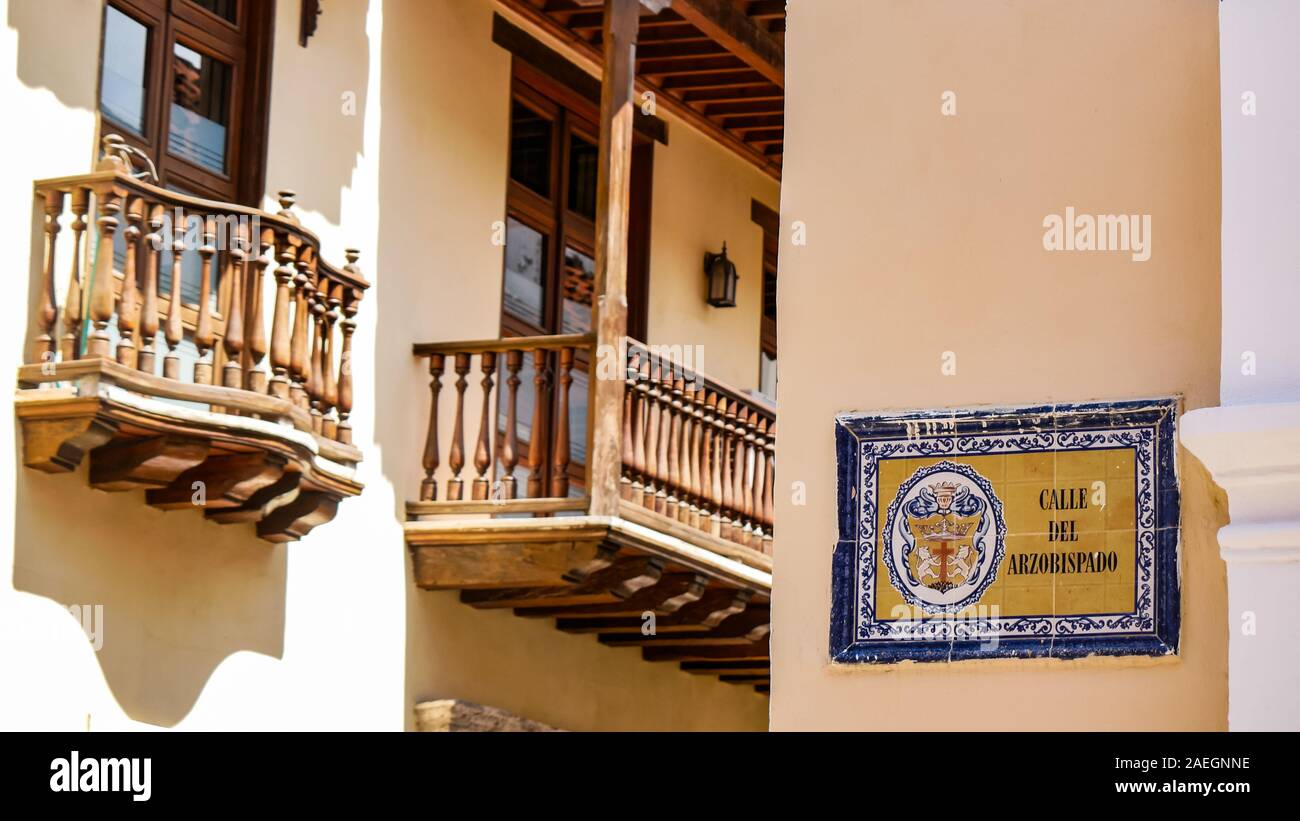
(613, 183)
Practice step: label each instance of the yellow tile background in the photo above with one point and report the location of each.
(1018, 479)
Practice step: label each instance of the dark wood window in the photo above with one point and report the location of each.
(549, 273)
(186, 81)
(770, 222)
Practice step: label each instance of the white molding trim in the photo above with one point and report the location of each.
(1253, 453)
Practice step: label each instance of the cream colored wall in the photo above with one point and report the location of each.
(924, 235)
(702, 196)
(205, 626)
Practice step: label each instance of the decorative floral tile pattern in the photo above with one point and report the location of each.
(1045, 530)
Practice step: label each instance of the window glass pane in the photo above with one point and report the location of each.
(222, 8)
(530, 149)
(578, 418)
(122, 87)
(199, 109)
(525, 271)
(579, 284)
(582, 177)
(767, 375)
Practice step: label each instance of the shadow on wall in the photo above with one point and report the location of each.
(42, 48)
(318, 107)
(179, 593)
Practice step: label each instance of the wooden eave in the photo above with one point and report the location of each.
(257, 459)
(714, 63)
(604, 575)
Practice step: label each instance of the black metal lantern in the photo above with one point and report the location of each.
(722, 279)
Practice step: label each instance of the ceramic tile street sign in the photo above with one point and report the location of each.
(992, 532)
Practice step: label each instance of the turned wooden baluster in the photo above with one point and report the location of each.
(316, 362)
(329, 387)
(352, 298)
(560, 455)
(762, 526)
(673, 393)
(255, 347)
(664, 494)
(714, 455)
(300, 348)
(204, 335)
(510, 442)
(456, 485)
(642, 396)
(173, 330)
(232, 375)
(685, 504)
(72, 306)
(429, 487)
(536, 436)
(483, 449)
(47, 314)
(351, 303)
(109, 204)
(128, 305)
(281, 336)
(627, 449)
(727, 418)
(768, 489)
(654, 477)
(744, 476)
(692, 444)
(753, 478)
(153, 248)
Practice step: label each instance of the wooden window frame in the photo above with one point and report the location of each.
(570, 113)
(246, 47)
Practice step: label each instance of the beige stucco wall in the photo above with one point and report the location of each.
(702, 196)
(205, 626)
(924, 235)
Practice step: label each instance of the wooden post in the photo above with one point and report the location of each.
(617, 101)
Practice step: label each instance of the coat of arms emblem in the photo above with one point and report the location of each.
(943, 538)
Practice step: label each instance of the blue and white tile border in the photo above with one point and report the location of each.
(862, 440)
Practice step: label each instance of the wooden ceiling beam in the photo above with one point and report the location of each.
(765, 135)
(740, 34)
(714, 80)
(748, 107)
(750, 121)
(680, 51)
(702, 65)
(592, 54)
(726, 95)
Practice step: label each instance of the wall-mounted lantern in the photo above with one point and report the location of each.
(722, 279)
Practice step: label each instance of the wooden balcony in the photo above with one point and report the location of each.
(682, 567)
(174, 393)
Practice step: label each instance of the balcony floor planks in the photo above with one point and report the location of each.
(608, 575)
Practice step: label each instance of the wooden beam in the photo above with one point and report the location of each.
(592, 55)
(702, 65)
(741, 35)
(534, 52)
(613, 198)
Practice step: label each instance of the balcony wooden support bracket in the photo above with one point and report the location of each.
(249, 463)
(631, 584)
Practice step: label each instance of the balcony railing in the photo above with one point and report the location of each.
(201, 304)
(695, 452)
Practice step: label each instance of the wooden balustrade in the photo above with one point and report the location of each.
(693, 450)
(697, 451)
(497, 443)
(126, 234)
